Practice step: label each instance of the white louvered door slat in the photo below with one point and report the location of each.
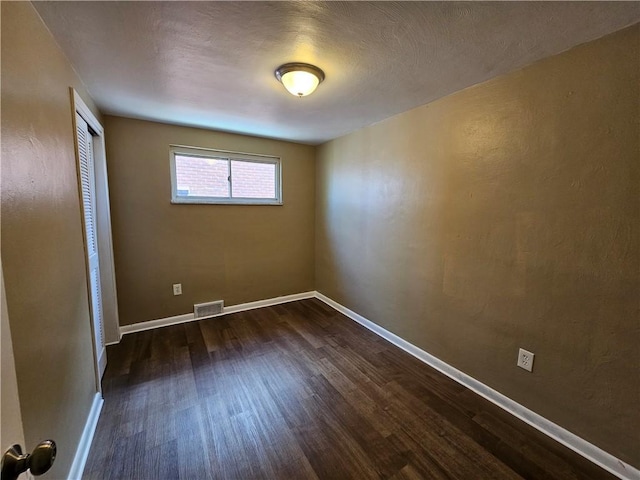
(87, 181)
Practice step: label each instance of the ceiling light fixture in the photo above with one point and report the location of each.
(300, 79)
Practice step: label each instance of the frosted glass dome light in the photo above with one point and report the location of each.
(300, 79)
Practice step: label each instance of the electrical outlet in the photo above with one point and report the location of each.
(525, 359)
(177, 289)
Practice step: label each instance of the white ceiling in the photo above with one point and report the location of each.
(211, 64)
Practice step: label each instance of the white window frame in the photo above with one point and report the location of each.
(225, 155)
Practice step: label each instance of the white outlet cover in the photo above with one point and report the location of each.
(177, 289)
(525, 359)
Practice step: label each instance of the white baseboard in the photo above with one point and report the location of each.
(151, 324)
(188, 317)
(82, 452)
(588, 450)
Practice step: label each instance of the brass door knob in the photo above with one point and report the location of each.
(14, 462)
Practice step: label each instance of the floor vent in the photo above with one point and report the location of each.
(208, 309)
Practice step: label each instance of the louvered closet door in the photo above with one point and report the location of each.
(87, 178)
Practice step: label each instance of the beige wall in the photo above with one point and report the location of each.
(238, 253)
(42, 243)
(505, 216)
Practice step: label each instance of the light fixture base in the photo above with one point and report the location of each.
(300, 67)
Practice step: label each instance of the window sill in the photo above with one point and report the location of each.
(215, 201)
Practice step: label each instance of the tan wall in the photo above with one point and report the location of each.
(238, 253)
(505, 216)
(42, 243)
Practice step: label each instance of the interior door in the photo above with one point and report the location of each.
(88, 184)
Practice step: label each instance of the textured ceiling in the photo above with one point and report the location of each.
(210, 64)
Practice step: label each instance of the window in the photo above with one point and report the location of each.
(214, 176)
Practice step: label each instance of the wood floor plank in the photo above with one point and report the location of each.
(421, 460)
(382, 455)
(298, 391)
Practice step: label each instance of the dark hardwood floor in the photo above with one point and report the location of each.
(298, 391)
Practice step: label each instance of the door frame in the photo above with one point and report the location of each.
(11, 429)
(111, 324)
